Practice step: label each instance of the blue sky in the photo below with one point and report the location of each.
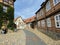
(26, 8)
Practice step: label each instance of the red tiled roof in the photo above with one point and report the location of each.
(31, 19)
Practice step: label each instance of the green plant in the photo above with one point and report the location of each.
(8, 16)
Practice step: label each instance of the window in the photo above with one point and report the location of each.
(48, 7)
(48, 22)
(4, 8)
(56, 1)
(38, 23)
(56, 17)
(43, 23)
(57, 21)
(59, 17)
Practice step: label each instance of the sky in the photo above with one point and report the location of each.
(26, 8)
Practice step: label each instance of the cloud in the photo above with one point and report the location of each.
(26, 8)
(25, 13)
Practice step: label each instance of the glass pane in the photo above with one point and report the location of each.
(48, 6)
(59, 17)
(56, 17)
(55, 1)
(48, 22)
(58, 24)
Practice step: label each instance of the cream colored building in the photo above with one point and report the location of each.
(20, 23)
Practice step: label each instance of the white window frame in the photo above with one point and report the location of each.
(43, 23)
(56, 1)
(48, 6)
(48, 20)
(4, 8)
(57, 19)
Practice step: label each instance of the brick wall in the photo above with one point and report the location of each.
(55, 9)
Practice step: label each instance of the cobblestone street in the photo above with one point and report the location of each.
(29, 22)
(32, 39)
(15, 38)
(44, 37)
(22, 37)
(27, 37)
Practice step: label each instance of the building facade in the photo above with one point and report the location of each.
(31, 22)
(19, 23)
(6, 12)
(48, 17)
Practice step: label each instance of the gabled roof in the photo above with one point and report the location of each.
(42, 5)
(31, 19)
(17, 18)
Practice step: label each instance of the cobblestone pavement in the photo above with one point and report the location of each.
(22, 37)
(45, 38)
(32, 39)
(15, 38)
(27, 37)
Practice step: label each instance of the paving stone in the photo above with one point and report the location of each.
(13, 38)
(45, 38)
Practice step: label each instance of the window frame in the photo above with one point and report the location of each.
(5, 8)
(55, 3)
(48, 20)
(43, 23)
(48, 6)
(57, 21)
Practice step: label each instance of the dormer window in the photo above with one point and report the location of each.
(56, 1)
(48, 7)
(48, 22)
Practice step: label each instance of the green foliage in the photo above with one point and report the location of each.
(1, 8)
(9, 15)
(10, 26)
(0, 15)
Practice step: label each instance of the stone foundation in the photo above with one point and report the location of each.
(53, 35)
